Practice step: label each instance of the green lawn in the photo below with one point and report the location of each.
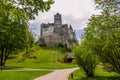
(45, 59)
(100, 74)
(42, 65)
(21, 75)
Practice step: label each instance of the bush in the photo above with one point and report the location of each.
(60, 45)
(42, 44)
(85, 60)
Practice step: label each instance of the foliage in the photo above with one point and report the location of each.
(30, 41)
(24, 9)
(100, 74)
(10, 38)
(60, 45)
(63, 47)
(85, 59)
(105, 36)
(45, 59)
(14, 16)
(103, 33)
(42, 44)
(108, 5)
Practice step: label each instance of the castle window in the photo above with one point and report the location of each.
(45, 29)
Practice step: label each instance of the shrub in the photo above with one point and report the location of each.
(42, 44)
(85, 60)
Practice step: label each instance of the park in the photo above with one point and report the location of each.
(59, 40)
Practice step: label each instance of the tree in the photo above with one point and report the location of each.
(103, 30)
(14, 17)
(24, 9)
(85, 59)
(11, 36)
(30, 41)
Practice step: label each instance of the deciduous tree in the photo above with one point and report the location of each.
(103, 32)
(14, 17)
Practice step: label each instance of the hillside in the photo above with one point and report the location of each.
(46, 58)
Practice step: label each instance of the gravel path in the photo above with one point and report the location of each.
(57, 75)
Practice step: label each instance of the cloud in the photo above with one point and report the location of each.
(77, 23)
(74, 12)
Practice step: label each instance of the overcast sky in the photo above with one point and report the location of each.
(74, 12)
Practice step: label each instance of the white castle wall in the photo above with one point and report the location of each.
(47, 31)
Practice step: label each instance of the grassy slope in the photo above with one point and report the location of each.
(45, 59)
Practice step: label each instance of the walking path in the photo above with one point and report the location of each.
(57, 75)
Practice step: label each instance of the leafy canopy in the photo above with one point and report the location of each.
(14, 17)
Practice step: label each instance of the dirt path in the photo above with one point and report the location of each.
(57, 75)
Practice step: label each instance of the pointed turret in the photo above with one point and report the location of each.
(70, 27)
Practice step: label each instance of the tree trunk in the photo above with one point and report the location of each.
(90, 75)
(6, 57)
(2, 57)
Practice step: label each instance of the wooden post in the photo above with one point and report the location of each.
(71, 75)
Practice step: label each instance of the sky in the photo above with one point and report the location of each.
(74, 12)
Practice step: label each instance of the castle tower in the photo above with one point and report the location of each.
(71, 33)
(57, 20)
(55, 33)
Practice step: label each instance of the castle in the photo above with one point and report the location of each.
(55, 33)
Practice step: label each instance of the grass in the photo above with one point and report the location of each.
(45, 59)
(42, 65)
(21, 75)
(100, 74)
